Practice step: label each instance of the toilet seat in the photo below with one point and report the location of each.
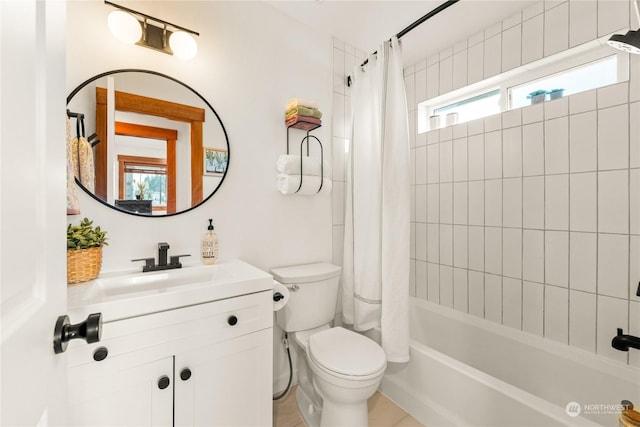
(346, 354)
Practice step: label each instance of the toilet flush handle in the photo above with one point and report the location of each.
(293, 288)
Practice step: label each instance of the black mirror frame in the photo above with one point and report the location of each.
(129, 70)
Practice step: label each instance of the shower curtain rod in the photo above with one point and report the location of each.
(413, 25)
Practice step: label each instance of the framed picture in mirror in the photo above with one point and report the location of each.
(215, 161)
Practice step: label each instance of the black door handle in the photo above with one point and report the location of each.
(90, 330)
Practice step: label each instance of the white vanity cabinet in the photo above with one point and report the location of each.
(207, 364)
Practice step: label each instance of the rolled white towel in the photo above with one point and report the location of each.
(288, 184)
(290, 164)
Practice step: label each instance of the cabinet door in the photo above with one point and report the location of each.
(110, 394)
(230, 383)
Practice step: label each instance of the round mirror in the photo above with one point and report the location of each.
(145, 143)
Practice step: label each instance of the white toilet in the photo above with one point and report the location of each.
(338, 370)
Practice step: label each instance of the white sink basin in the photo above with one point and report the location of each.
(122, 295)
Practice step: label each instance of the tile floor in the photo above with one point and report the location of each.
(382, 413)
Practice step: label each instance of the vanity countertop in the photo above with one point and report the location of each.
(130, 294)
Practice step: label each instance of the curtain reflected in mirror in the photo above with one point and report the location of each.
(161, 148)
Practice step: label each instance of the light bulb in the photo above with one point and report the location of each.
(124, 26)
(183, 45)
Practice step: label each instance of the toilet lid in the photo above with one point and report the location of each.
(346, 352)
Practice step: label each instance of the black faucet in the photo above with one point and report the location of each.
(623, 342)
(150, 263)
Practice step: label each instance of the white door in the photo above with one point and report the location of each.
(32, 210)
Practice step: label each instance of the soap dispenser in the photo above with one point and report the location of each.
(210, 245)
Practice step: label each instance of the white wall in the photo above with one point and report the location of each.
(530, 218)
(251, 60)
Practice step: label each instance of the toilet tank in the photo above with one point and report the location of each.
(313, 290)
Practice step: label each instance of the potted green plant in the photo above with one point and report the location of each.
(555, 93)
(84, 251)
(141, 187)
(537, 96)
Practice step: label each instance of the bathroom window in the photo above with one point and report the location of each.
(468, 109)
(144, 178)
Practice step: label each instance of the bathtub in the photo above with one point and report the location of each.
(466, 371)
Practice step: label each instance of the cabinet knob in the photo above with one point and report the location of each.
(163, 382)
(100, 354)
(232, 320)
(185, 374)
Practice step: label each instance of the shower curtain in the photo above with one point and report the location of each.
(376, 236)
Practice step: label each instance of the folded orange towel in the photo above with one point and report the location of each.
(298, 118)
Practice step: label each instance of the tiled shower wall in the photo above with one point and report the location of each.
(531, 218)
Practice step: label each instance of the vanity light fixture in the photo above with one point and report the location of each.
(629, 42)
(131, 26)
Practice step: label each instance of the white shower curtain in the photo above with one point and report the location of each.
(376, 236)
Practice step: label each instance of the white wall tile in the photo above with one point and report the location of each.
(460, 46)
(446, 53)
(460, 246)
(492, 55)
(493, 155)
(476, 248)
(556, 145)
(556, 108)
(613, 313)
(634, 135)
(511, 48)
(634, 201)
(582, 320)
(433, 163)
(583, 202)
(556, 205)
(616, 94)
(475, 63)
(460, 69)
(493, 298)
(532, 113)
(556, 29)
(412, 278)
(511, 21)
(556, 258)
(583, 101)
(460, 131)
(337, 194)
(583, 261)
(533, 149)
(475, 127)
(493, 250)
(433, 136)
(512, 252)
(634, 267)
(433, 243)
(460, 160)
(421, 165)
(433, 80)
(446, 75)
(533, 308)
(512, 152)
(493, 30)
(532, 39)
(512, 302)
(460, 203)
(446, 203)
(433, 282)
(433, 59)
(493, 202)
(338, 125)
(410, 89)
(476, 156)
(421, 241)
(613, 137)
(460, 290)
(446, 134)
(634, 83)
(583, 142)
(634, 329)
(476, 202)
(556, 314)
(613, 202)
(533, 255)
(421, 85)
(412, 203)
(613, 15)
(339, 160)
(533, 202)
(421, 203)
(512, 202)
(613, 265)
(476, 293)
(446, 286)
(533, 10)
(583, 21)
(412, 240)
(433, 203)
(512, 118)
(337, 248)
(421, 279)
(339, 71)
(492, 123)
(446, 161)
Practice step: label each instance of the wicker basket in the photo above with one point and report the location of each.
(83, 264)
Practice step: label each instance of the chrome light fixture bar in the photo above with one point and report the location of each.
(131, 26)
(629, 42)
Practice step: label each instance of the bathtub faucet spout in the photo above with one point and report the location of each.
(623, 342)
